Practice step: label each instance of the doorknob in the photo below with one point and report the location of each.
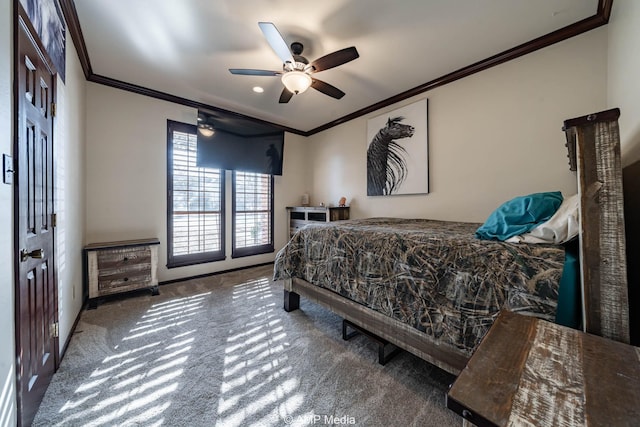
(36, 253)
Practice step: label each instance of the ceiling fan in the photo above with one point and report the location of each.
(296, 69)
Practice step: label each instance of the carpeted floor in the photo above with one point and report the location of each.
(221, 351)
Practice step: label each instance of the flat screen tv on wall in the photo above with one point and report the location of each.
(240, 147)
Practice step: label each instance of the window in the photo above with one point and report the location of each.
(196, 206)
(195, 202)
(252, 214)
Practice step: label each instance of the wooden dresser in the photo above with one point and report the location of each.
(299, 216)
(116, 267)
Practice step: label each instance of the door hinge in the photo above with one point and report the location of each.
(54, 220)
(53, 109)
(54, 330)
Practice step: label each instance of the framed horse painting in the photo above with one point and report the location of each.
(398, 151)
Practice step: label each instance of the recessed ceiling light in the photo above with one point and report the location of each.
(258, 89)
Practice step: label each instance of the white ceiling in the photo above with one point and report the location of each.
(184, 48)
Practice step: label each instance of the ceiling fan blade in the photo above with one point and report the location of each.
(250, 72)
(285, 96)
(326, 88)
(276, 41)
(334, 59)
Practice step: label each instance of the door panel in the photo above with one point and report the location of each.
(36, 288)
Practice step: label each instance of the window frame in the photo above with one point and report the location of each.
(252, 250)
(174, 261)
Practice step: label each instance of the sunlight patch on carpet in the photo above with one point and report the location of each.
(256, 378)
(134, 392)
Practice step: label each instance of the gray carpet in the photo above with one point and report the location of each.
(221, 351)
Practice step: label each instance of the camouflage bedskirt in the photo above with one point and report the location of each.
(433, 275)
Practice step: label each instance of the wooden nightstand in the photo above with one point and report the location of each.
(116, 267)
(527, 371)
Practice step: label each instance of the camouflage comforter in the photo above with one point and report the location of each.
(433, 275)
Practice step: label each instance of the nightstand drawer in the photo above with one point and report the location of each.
(124, 281)
(123, 258)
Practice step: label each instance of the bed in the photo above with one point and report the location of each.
(433, 276)
(434, 289)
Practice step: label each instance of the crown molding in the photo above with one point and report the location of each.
(141, 90)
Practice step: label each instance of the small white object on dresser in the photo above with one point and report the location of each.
(116, 267)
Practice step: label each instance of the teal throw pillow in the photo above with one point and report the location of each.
(519, 215)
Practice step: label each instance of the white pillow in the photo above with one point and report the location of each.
(563, 226)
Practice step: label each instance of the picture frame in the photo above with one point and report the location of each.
(398, 151)
(48, 20)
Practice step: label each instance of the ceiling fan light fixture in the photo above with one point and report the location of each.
(206, 130)
(296, 81)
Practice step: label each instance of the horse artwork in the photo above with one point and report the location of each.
(386, 163)
(397, 152)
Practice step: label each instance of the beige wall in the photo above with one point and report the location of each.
(127, 175)
(623, 83)
(492, 136)
(69, 140)
(7, 354)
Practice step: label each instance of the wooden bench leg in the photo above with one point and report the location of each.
(291, 301)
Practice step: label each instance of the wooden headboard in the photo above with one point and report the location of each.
(593, 143)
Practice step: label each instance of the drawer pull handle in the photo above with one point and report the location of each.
(126, 279)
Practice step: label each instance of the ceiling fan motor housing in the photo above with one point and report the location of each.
(297, 48)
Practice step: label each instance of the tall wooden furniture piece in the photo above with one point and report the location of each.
(594, 149)
(299, 216)
(528, 371)
(116, 267)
